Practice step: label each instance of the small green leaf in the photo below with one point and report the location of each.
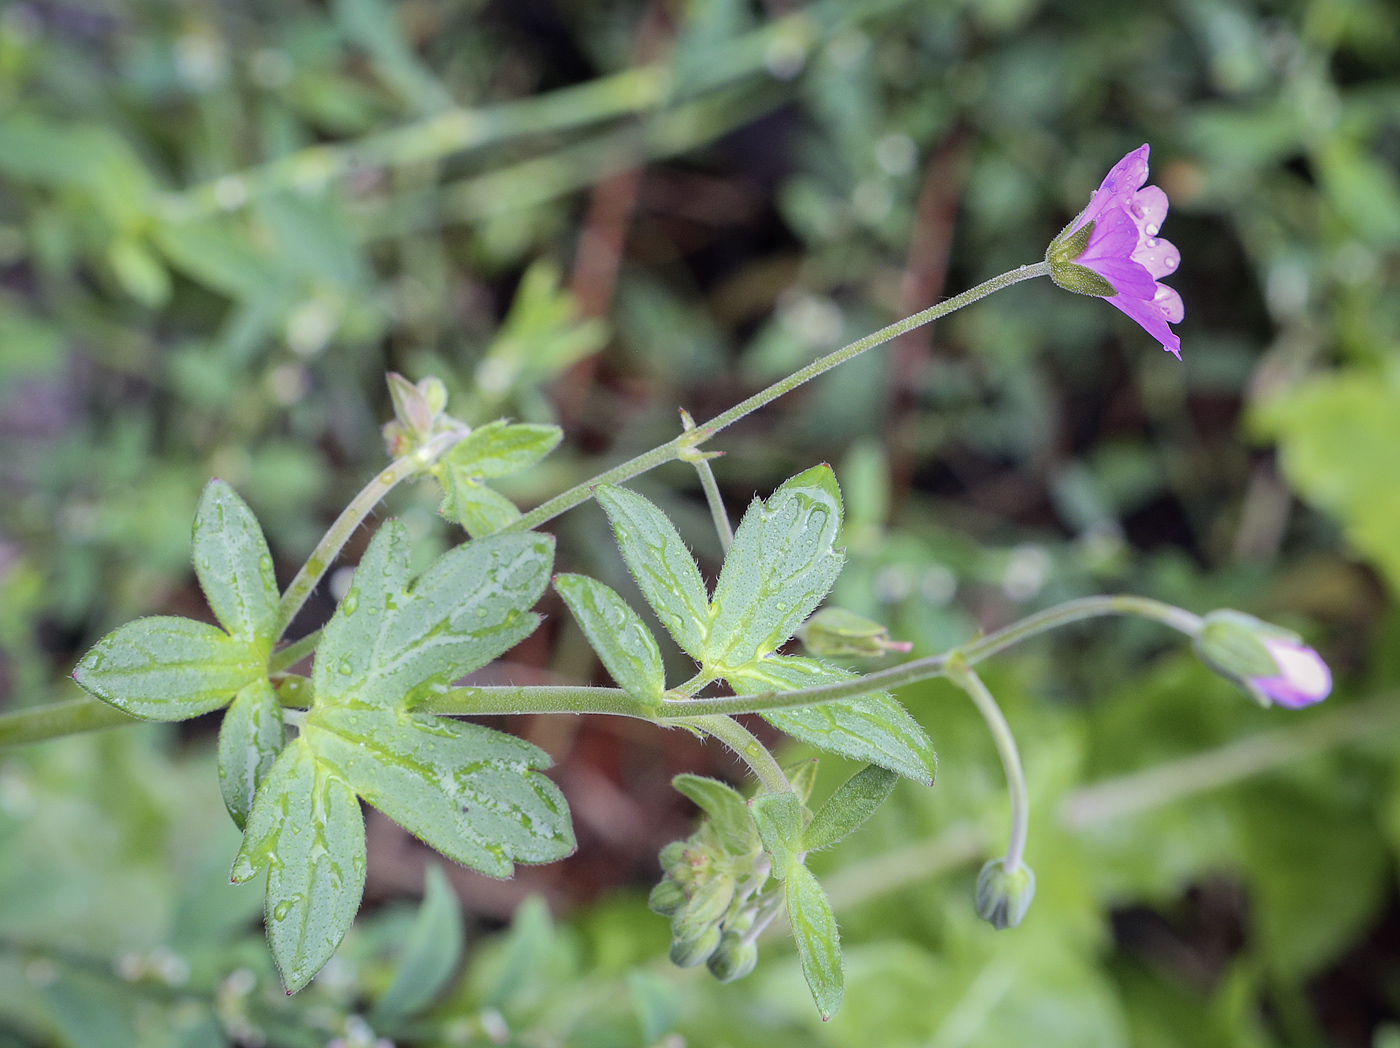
(779, 820)
(307, 830)
(168, 668)
(480, 510)
(499, 448)
(847, 808)
(389, 643)
(234, 565)
(617, 634)
(780, 567)
(474, 794)
(873, 728)
(818, 940)
(250, 739)
(726, 807)
(430, 954)
(664, 569)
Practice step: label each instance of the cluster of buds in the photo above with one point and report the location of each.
(714, 893)
(419, 414)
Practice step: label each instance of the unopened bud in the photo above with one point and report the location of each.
(1004, 897)
(836, 632)
(687, 952)
(1272, 664)
(667, 897)
(733, 958)
(708, 903)
(672, 855)
(434, 394)
(410, 406)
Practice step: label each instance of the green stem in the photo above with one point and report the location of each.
(285, 658)
(966, 678)
(750, 750)
(718, 513)
(691, 439)
(352, 517)
(60, 718)
(471, 702)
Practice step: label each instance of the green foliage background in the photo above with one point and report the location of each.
(220, 224)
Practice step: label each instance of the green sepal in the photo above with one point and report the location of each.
(617, 634)
(663, 567)
(818, 940)
(392, 644)
(779, 820)
(1068, 246)
(474, 794)
(1081, 280)
(873, 728)
(727, 809)
(234, 565)
(307, 831)
(856, 800)
(168, 668)
(431, 953)
(781, 565)
(250, 738)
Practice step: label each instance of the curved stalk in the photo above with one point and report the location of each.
(743, 742)
(966, 678)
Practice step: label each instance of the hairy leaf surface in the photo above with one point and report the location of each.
(250, 738)
(307, 831)
(390, 642)
(818, 940)
(234, 565)
(873, 728)
(780, 567)
(617, 634)
(474, 794)
(662, 565)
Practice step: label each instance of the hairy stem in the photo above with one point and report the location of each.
(691, 439)
(966, 678)
(753, 753)
(352, 517)
(718, 513)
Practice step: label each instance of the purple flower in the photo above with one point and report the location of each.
(1302, 678)
(1112, 250)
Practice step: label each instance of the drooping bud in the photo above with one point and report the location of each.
(687, 952)
(837, 633)
(667, 897)
(1272, 664)
(1004, 897)
(734, 958)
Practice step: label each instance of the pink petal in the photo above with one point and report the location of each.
(1159, 257)
(1149, 208)
(1118, 186)
(1115, 235)
(1150, 319)
(1129, 278)
(1169, 302)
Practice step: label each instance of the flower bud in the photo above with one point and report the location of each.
(667, 897)
(410, 407)
(672, 855)
(687, 952)
(1272, 664)
(1003, 898)
(733, 958)
(836, 632)
(708, 903)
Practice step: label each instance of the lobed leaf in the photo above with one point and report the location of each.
(307, 831)
(818, 940)
(169, 668)
(873, 728)
(662, 565)
(234, 565)
(617, 634)
(780, 567)
(389, 643)
(250, 738)
(726, 807)
(474, 794)
(856, 800)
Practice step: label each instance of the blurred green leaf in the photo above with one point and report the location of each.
(431, 953)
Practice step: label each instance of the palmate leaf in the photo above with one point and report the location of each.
(168, 668)
(475, 794)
